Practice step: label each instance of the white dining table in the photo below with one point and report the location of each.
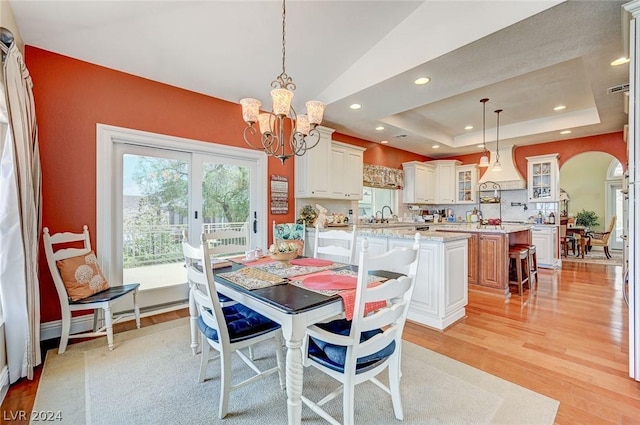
(295, 309)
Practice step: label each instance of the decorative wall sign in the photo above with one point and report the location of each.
(279, 194)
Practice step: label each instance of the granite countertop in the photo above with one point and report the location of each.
(426, 235)
(474, 228)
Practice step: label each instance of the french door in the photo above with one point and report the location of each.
(163, 188)
(615, 206)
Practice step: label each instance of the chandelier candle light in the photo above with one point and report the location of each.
(484, 159)
(272, 125)
(496, 165)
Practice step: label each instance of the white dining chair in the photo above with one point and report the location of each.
(101, 302)
(356, 351)
(228, 330)
(339, 245)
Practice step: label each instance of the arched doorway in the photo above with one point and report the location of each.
(593, 181)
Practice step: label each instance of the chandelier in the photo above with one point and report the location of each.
(496, 165)
(484, 159)
(273, 125)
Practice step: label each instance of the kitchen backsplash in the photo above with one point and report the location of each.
(509, 212)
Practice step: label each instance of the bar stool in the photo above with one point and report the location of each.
(533, 265)
(519, 255)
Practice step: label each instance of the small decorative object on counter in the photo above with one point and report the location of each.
(552, 218)
(322, 219)
(540, 219)
(308, 216)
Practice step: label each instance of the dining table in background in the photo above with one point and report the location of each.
(582, 239)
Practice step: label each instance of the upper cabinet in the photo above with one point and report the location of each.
(543, 178)
(311, 168)
(331, 170)
(419, 183)
(445, 181)
(345, 177)
(466, 184)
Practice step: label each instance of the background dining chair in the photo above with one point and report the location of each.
(100, 302)
(227, 330)
(356, 351)
(340, 245)
(290, 232)
(565, 240)
(602, 238)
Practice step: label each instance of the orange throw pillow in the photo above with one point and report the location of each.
(82, 276)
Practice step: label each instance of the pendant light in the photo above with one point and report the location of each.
(484, 159)
(496, 165)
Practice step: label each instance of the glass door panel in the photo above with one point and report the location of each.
(155, 200)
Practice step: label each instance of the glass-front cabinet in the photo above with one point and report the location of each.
(466, 184)
(543, 178)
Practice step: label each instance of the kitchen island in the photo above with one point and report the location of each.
(488, 246)
(441, 293)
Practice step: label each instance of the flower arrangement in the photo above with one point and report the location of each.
(283, 251)
(283, 248)
(307, 216)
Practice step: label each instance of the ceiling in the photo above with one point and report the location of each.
(525, 56)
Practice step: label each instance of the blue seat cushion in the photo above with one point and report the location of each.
(242, 323)
(333, 356)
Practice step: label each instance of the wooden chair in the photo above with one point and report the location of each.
(289, 232)
(192, 257)
(565, 240)
(101, 303)
(357, 351)
(602, 238)
(227, 330)
(338, 244)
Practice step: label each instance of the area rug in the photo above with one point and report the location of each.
(596, 256)
(151, 378)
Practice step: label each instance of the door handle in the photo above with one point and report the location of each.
(255, 222)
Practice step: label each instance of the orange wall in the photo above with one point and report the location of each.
(72, 96)
(612, 143)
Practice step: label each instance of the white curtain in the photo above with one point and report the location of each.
(20, 201)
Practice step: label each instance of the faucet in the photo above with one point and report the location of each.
(376, 218)
(382, 212)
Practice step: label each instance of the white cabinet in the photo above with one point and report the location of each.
(445, 181)
(345, 177)
(441, 291)
(419, 183)
(543, 178)
(545, 238)
(311, 169)
(377, 246)
(466, 184)
(331, 170)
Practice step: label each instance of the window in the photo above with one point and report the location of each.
(373, 199)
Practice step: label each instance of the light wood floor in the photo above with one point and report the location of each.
(569, 342)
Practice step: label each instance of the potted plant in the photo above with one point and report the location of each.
(587, 218)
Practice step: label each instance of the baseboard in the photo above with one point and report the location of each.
(4, 383)
(53, 329)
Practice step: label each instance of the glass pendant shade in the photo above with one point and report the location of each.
(315, 111)
(497, 166)
(250, 109)
(302, 124)
(484, 161)
(265, 121)
(281, 101)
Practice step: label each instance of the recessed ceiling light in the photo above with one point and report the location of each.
(422, 80)
(620, 61)
(565, 132)
(379, 128)
(355, 106)
(559, 108)
(435, 146)
(469, 127)
(480, 146)
(384, 142)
